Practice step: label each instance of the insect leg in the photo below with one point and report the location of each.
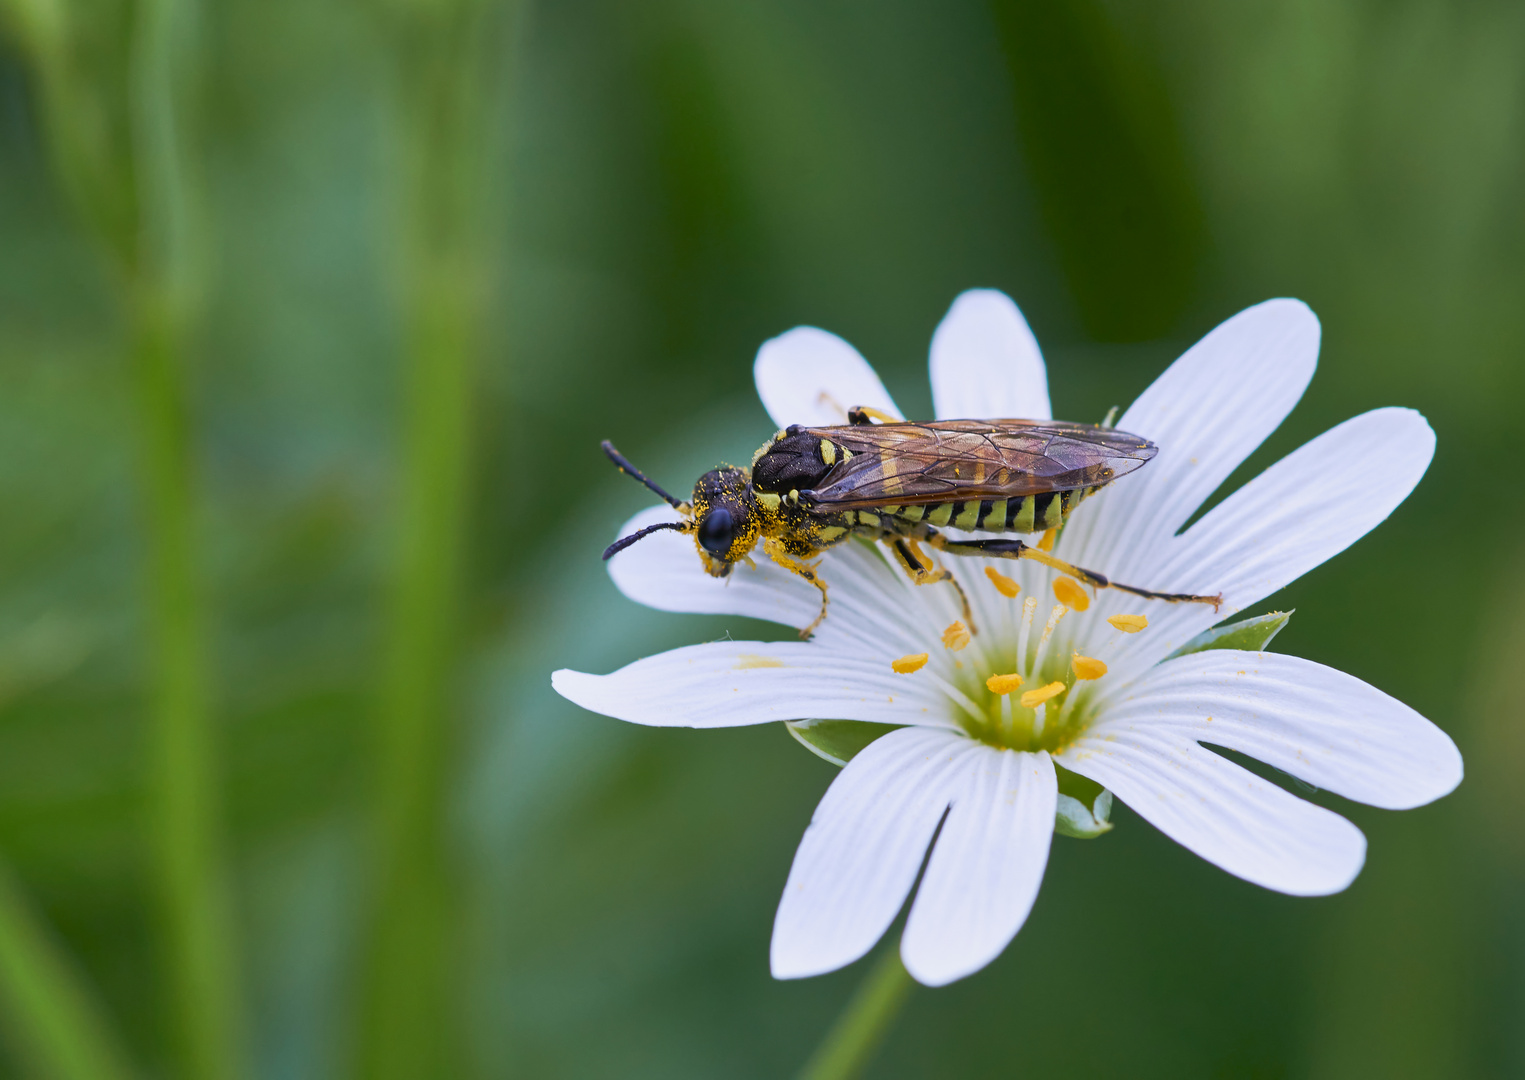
(919, 569)
(863, 415)
(1016, 549)
(775, 551)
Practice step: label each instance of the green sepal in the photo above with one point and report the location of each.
(1084, 807)
(836, 741)
(1251, 635)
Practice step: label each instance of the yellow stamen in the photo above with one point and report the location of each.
(1003, 684)
(1129, 624)
(1033, 698)
(1046, 543)
(1087, 667)
(956, 636)
(1003, 584)
(1070, 594)
(907, 664)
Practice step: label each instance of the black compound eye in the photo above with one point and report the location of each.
(716, 531)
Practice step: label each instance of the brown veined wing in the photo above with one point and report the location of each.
(959, 460)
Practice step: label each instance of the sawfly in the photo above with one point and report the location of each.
(888, 480)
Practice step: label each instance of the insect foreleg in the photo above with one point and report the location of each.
(918, 568)
(1016, 549)
(775, 550)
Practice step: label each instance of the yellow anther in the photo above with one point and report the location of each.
(907, 664)
(956, 636)
(1003, 684)
(1033, 698)
(1129, 624)
(1087, 667)
(1070, 594)
(1003, 584)
(1046, 543)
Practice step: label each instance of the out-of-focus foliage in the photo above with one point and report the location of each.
(671, 183)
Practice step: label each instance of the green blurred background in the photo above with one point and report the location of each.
(311, 318)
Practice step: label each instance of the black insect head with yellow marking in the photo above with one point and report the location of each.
(899, 483)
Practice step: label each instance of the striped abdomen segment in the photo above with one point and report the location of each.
(1024, 514)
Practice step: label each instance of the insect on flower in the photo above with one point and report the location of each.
(982, 749)
(887, 480)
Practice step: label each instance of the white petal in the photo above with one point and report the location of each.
(1322, 725)
(873, 606)
(1207, 413)
(984, 872)
(664, 571)
(986, 362)
(1302, 511)
(731, 683)
(863, 848)
(808, 376)
(1226, 814)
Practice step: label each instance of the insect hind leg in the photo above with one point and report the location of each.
(1016, 549)
(914, 563)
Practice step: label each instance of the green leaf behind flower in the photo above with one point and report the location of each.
(837, 741)
(1252, 635)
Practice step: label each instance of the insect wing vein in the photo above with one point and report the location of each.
(965, 459)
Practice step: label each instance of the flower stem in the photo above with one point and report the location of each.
(853, 1039)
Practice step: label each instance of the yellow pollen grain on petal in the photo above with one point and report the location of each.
(1033, 698)
(748, 661)
(956, 636)
(1087, 667)
(1003, 584)
(1129, 624)
(907, 664)
(1070, 594)
(1046, 542)
(1004, 684)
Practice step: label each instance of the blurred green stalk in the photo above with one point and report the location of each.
(53, 1022)
(854, 1038)
(131, 189)
(192, 884)
(193, 892)
(412, 1017)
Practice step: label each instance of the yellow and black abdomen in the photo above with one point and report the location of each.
(1021, 514)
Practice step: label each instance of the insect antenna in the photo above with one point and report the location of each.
(621, 544)
(624, 466)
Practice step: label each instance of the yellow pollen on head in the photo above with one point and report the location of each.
(1070, 594)
(1087, 667)
(956, 636)
(1129, 624)
(1047, 542)
(907, 664)
(1003, 584)
(1004, 684)
(1033, 698)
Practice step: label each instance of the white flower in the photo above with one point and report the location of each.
(984, 760)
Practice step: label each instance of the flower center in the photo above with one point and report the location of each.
(1014, 685)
